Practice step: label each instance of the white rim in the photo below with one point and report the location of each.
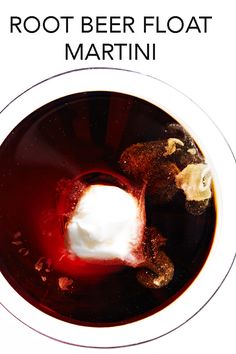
(218, 154)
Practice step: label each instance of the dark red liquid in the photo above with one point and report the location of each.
(74, 135)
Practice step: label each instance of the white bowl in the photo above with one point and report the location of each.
(217, 152)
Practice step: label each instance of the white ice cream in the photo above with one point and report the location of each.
(106, 224)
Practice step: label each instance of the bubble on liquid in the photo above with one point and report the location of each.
(173, 144)
(17, 243)
(23, 251)
(17, 235)
(43, 264)
(65, 283)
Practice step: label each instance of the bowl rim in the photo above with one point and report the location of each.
(218, 153)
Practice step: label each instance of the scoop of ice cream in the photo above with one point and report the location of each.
(107, 224)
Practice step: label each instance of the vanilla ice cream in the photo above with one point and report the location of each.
(107, 223)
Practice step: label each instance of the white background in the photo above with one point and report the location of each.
(200, 65)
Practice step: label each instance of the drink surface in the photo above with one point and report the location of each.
(78, 135)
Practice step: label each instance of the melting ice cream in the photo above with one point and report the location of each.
(107, 223)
